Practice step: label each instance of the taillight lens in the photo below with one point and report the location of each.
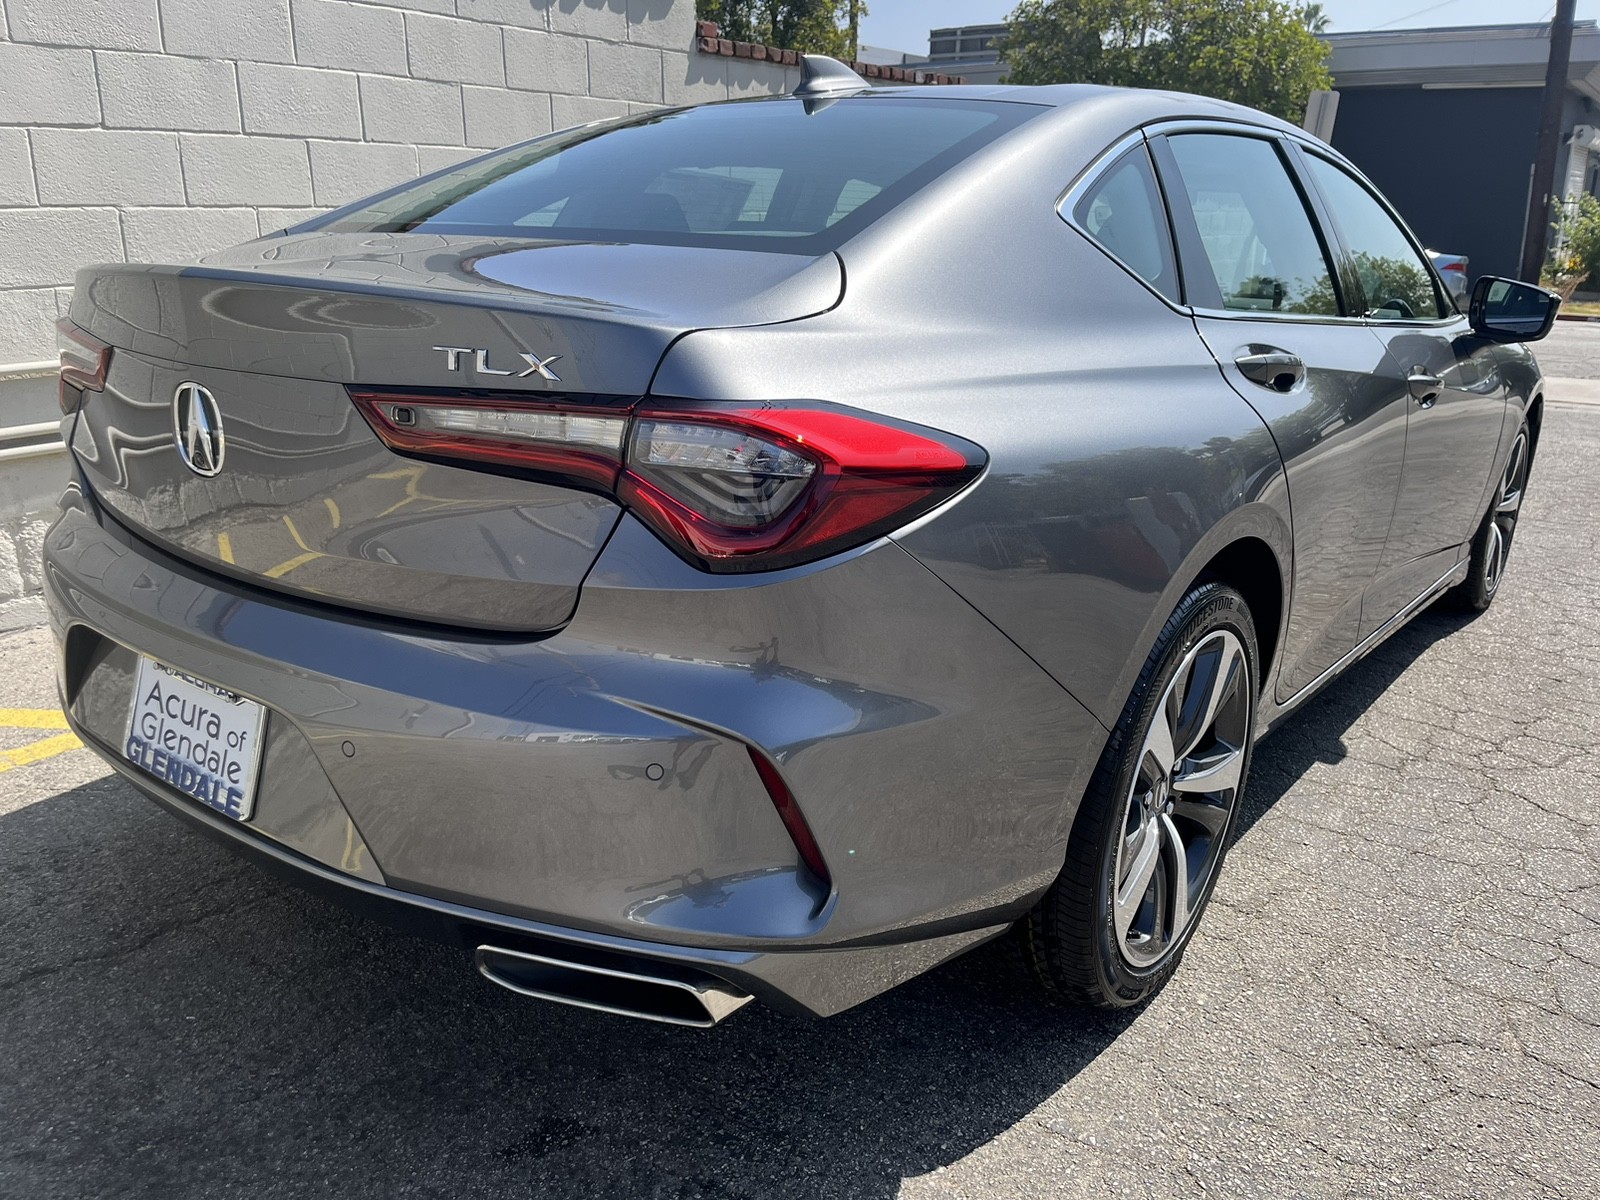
(731, 475)
(742, 488)
(581, 445)
(85, 359)
(730, 487)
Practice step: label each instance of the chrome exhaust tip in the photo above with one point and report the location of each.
(650, 991)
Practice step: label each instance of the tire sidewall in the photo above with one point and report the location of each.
(1205, 610)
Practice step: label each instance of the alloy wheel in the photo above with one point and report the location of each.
(1181, 800)
(1503, 523)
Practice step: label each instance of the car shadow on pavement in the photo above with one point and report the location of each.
(178, 1023)
(1315, 734)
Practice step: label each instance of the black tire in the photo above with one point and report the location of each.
(1071, 941)
(1491, 544)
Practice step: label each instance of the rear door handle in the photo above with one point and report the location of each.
(1425, 388)
(1275, 369)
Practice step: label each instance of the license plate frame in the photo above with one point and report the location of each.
(200, 739)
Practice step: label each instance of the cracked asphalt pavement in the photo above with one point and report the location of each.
(1396, 991)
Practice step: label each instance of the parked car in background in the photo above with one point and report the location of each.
(767, 548)
(1452, 269)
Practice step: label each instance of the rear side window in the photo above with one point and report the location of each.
(769, 174)
(1124, 214)
(1397, 283)
(1259, 241)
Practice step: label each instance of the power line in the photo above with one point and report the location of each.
(1419, 13)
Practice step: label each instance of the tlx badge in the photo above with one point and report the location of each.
(479, 363)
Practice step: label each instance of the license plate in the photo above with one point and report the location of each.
(201, 739)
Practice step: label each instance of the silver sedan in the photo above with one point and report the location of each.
(765, 549)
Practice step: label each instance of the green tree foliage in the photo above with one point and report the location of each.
(1255, 52)
(811, 26)
(737, 18)
(1575, 252)
(1398, 285)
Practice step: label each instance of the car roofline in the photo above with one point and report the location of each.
(1145, 105)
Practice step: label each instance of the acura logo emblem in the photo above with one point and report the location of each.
(197, 426)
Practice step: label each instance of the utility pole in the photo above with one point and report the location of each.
(855, 29)
(1536, 233)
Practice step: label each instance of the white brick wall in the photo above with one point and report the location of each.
(411, 110)
(105, 24)
(156, 130)
(221, 169)
(158, 91)
(128, 167)
(297, 102)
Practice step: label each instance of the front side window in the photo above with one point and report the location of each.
(1259, 241)
(1124, 214)
(764, 174)
(1394, 277)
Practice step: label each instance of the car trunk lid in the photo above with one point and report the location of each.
(308, 500)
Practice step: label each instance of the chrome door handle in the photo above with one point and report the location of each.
(1424, 388)
(1274, 369)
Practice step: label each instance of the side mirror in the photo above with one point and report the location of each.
(1504, 310)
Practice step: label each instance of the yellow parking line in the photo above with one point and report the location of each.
(351, 860)
(333, 510)
(295, 534)
(32, 718)
(396, 506)
(35, 718)
(298, 560)
(48, 748)
(225, 547)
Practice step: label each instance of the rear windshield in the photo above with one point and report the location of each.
(793, 175)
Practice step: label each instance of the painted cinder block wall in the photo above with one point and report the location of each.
(156, 130)
(146, 130)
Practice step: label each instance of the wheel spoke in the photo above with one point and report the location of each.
(1494, 557)
(1158, 742)
(1177, 864)
(1511, 482)
(1217, 772)
(1131, 892)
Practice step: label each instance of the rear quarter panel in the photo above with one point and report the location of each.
(1119, 459)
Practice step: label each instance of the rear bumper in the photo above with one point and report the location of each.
(816, 983)
(594, 788)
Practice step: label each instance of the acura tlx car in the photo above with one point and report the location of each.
(767, 548)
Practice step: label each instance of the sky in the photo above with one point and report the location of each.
(904, 24)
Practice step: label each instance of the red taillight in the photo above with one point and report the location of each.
(747, 488)
(84, 362)
(729, 487)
